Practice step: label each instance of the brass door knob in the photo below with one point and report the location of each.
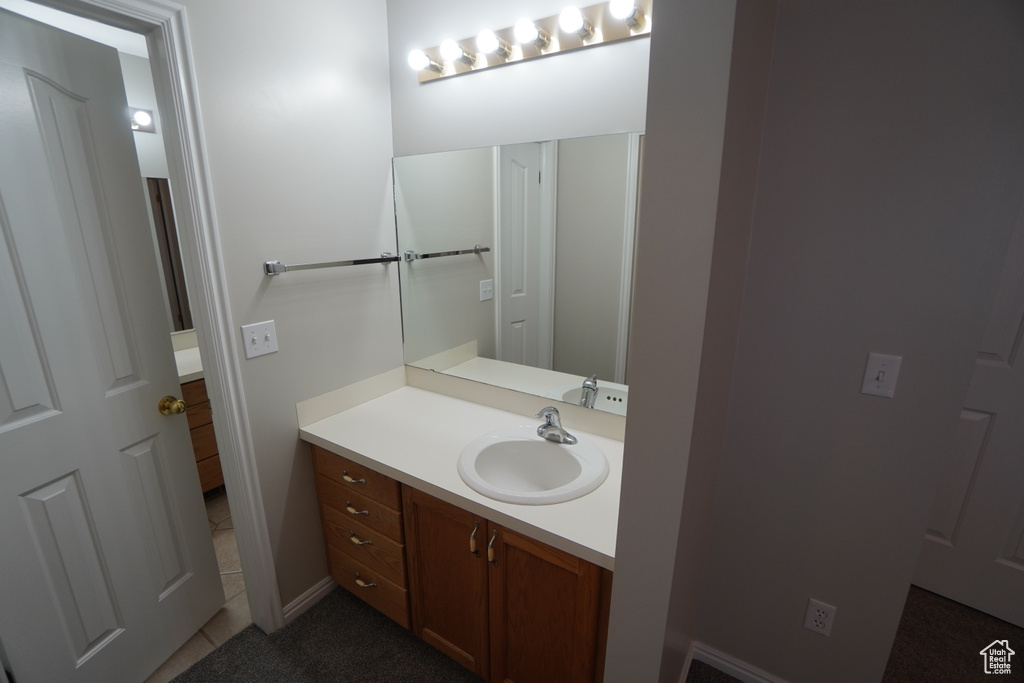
(170, 405)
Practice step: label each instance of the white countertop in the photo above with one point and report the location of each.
(416, 437)
(190, 365)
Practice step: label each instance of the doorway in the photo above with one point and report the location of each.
(163, 29)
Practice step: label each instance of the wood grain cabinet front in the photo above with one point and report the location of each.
(204, 440)
(361, 516)
(509, 608)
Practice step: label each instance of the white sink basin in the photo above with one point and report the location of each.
(608, 399)
(514, 465)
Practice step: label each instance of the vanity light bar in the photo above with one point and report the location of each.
(600, 24)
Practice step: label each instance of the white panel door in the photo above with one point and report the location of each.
(974, 547)
(107, 564)
(520, 280)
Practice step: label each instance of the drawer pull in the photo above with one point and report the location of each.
(350, 479)
(352, 511)
(364, 584)
(355, 539)
(490, 548)
(472, 539)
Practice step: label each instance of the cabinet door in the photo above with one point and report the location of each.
(545, 606)
(447, 582)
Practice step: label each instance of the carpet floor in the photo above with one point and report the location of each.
(341, 639)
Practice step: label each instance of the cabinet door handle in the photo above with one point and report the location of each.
(352, 511)
(364, 584)
(490, 548)
(472, 539)
(355, 539)
(350, 480)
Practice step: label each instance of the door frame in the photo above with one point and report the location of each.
(164, 25)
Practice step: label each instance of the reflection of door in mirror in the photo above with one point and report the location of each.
(525, 278)
(170, 254)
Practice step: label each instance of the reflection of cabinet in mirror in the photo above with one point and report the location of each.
(561, 216)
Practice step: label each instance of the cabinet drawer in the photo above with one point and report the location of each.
(210, 475)
(372, 548)
(352, 503)
(357, 478)
(377, 591)
(204, 442)
(198, 414)
(194, 392)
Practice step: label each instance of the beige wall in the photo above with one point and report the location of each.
(295, 108)
(446, 202)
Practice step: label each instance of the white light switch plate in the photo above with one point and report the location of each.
(486, 290)
(880, 375)
(259, 339)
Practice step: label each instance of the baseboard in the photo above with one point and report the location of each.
(729, 665)
(308, 599)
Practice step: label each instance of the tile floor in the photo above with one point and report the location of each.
(234, 615)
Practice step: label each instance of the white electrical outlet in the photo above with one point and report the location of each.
(819, 617)
(259, 339)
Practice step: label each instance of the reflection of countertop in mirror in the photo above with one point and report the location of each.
(529, 380)
(416, 437)
(190, 365)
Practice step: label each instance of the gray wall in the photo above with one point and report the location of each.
(592, 198)
(891, 170)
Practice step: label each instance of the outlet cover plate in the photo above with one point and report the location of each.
(819, 617)
(259, 339)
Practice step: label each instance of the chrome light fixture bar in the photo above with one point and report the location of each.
(574, 28)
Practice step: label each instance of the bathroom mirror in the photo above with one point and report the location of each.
(517, 263)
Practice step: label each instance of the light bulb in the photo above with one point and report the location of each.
(626, 10)
(526, 31)
(418, 60)
(489, 43)
(142, 119)
(486, 41)
(621, 9)
(451, 51)
(571, 19)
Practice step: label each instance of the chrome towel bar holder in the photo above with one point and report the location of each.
(477, 249)
(276, 267)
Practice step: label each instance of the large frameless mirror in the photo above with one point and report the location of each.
(517, 264)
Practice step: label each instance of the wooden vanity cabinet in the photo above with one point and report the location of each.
(204, 440)
(506, 606)
(361, 516)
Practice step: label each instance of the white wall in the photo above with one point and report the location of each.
(446, 202)
(587, 92)
(891, 171)
(295, 109)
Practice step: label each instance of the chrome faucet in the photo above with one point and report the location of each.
(589, 394)
(552, 427)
